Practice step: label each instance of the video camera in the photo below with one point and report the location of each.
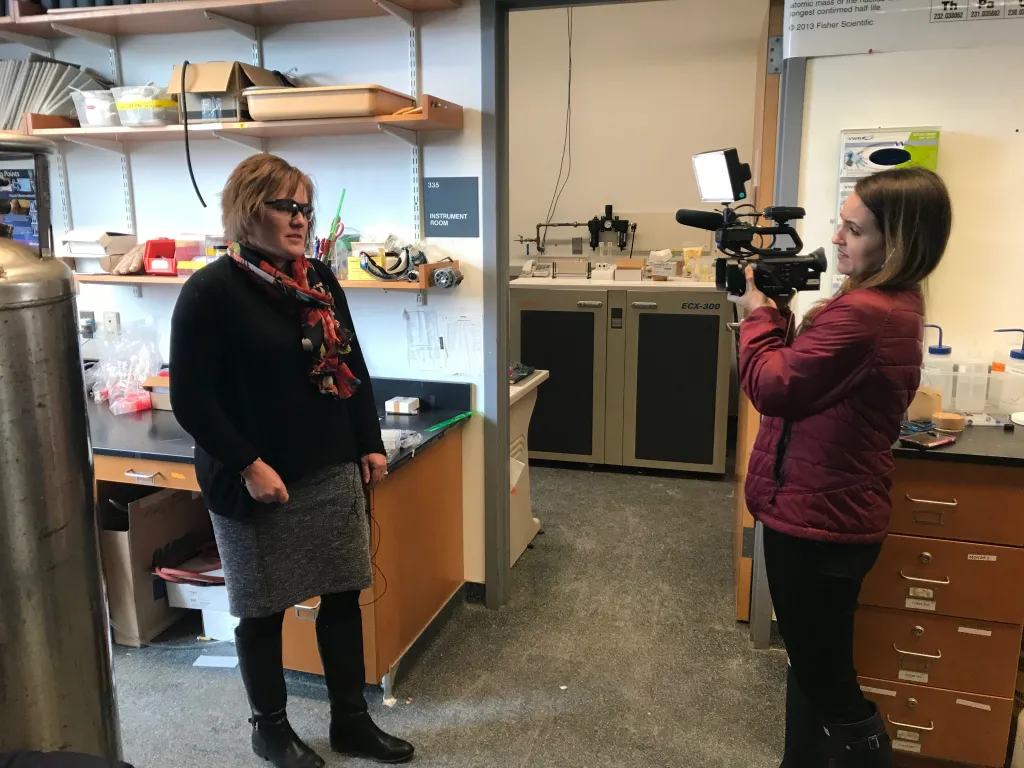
(778, 272)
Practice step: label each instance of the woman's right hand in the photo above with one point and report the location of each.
(263, 483)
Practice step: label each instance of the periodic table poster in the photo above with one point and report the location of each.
(836, 27)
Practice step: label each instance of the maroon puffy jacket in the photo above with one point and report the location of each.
(832, 402)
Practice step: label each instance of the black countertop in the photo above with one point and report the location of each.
(976, 445)
(157, 434)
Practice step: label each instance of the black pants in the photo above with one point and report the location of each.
(815, 586)
(339, 631)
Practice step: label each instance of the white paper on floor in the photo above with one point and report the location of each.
(222, 662)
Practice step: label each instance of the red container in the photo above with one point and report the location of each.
(159, 257)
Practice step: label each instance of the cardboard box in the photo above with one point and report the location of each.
(159, 388)
(193, 597)
(402, 405)
(144, 528)
(94, 242)
(213, 89)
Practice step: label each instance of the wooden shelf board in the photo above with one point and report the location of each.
(442, 116)
(130, 279)
(189, 16)
(382, 285)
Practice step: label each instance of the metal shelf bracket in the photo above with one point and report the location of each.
(403, 134)
(245, 30)
(399, 13)
(250, 142)
(35, 43)
(107, 145)
(98, 38)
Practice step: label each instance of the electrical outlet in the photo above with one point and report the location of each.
(602, 265)
(112, 323)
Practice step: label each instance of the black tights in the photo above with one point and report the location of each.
(339, 634)
(341, 606)
(815, 586)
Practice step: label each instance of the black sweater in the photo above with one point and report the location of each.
(240, 386)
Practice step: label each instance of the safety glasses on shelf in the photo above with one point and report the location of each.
(287, 205)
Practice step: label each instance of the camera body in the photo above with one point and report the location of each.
(778, 271)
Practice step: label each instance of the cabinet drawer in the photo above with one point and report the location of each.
(950, 578)
(949, 725)
(162, 474)
(939, 651)
(958, 501)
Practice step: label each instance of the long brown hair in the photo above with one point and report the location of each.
(912, 209)
(254, 181)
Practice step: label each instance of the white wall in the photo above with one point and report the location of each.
(376, 170)
(653, 83)
(981, 157)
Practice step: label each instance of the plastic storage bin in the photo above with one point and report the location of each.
(1006, 392)
(139, 105)
(95, 108)
(324, 101)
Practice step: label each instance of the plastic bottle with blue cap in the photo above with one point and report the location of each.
(1007, 390)
(938, 369)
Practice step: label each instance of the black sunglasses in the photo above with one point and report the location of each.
(287, 205)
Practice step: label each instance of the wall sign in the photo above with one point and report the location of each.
(836, 27)
(451, 206)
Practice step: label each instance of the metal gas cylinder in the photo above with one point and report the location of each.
(56, 689)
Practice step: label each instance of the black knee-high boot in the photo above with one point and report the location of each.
(861, 745)
(259, 659)
(339, 633)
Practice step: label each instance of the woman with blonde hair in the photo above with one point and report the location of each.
(832, 399)
(267, 376)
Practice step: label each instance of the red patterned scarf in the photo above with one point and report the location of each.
(323, 337)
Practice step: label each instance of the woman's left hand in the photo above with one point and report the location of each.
(375, 466)
(752, 298)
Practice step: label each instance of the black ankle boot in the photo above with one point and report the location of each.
(806, 742)
(357, 735)
(273, 739)
(861, 745)
(263, 675)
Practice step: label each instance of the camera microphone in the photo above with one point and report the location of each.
(700, 219)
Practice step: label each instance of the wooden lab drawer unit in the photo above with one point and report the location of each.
(939, 651)
(162, 474)
(933, 722)
(950, 578)
(966, 502)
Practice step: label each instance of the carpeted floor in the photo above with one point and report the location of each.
(618, 648)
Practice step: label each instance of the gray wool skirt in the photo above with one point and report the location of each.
(316, 544)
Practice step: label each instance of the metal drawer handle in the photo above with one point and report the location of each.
(917, 655)
(952, 503)
(311, 610)
(589, 304)
(929, 727)
(941, 582)
(140, 475)
(733, 326)
(644, 305)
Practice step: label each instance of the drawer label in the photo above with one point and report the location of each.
(982, 558)
(908, 735)
(973, 631)
(913, 677)
(906, 746)
(920, 605)
(877, 691)
(974, 704)
(922, 592)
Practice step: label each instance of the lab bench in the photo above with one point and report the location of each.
(417, 534)
(938, 633)
(639, 371)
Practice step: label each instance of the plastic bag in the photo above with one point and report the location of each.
(125, 362)
(397, 440)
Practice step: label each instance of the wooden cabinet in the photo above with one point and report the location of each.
(938, 634)
(950, 725)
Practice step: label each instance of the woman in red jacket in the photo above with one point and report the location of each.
(832, 399)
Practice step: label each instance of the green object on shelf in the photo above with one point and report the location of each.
(451, 421)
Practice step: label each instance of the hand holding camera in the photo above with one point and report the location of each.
(752, 298)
